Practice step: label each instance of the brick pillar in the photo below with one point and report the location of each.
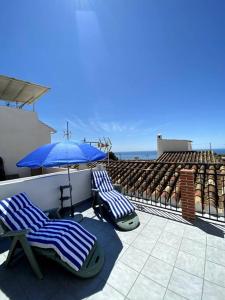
(187, 188)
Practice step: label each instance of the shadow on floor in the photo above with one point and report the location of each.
(210, 228)
(19, 282)
(205, 225)
(163, 213)
(84, 206)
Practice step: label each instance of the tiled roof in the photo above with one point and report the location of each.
(159, 181)
(188, 157)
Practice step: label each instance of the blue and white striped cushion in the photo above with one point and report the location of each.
(119, 205)
(68, 238)
(102, 181)
(18, 213)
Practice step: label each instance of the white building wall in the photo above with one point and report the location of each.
(172, 145)
(20, 133)
(44, 190)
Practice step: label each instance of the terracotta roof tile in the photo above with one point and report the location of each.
(159, 181)
(188, 156)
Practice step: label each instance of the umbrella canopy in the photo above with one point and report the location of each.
(61, 154)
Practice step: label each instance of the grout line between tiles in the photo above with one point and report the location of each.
(204, 268)
(145, 264)
(173, 268)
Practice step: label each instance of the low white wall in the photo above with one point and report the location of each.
(44, 190)
(53, 170)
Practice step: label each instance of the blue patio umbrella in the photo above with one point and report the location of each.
(65, 153)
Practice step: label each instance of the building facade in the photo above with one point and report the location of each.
(20, 132)
(165, 145)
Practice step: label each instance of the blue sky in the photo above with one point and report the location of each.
(127, 69)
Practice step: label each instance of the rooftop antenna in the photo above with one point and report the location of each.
(104, 143)
(108, 146)
(67, 132)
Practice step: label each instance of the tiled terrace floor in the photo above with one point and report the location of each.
(162, 259)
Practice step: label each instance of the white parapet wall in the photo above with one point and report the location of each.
(164, 145)
(44, 191)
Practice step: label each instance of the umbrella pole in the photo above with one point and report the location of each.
(71, 200)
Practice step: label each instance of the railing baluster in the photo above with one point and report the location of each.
(154, 185)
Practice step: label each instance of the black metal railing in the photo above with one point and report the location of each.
(210, 195)
(159, 185)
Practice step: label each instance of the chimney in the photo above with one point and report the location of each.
(159, 144)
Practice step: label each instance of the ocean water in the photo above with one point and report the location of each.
(148, 155)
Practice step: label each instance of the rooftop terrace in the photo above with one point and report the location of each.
(164, 258)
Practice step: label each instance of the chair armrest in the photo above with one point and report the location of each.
(95, 190)
(15, 233)
(117, 187)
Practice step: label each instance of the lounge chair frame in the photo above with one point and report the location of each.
(90, 267)
(127, 223)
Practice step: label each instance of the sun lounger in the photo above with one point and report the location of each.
(119, 208)
(63, 241)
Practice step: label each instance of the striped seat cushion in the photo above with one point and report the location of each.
(119, 205)
(68, 238)
(102, 181)
(18, 213)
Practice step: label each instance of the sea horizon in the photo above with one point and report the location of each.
(152, 154)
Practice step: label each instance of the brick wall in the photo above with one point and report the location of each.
(187, 189)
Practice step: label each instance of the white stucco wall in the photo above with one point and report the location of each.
(20, 133)
(44, 190)
(172, 145)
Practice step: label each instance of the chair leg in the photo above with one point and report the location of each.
(94, 197)
(31, 258)
(99, 201)
(11, 251)
(100, 209)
